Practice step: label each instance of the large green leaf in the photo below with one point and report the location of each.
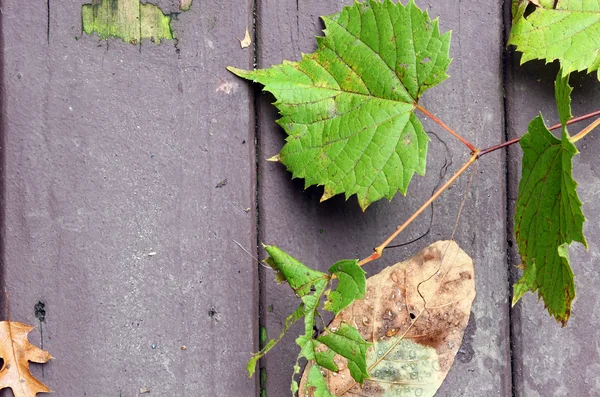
(567, 30)
(348, 107)
(548, 216)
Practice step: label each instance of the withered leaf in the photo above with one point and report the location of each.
(246, 41)
(414, 314)
(17, 352)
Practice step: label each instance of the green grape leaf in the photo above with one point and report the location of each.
(567, 30)
(563, 92)
(300, 277)
(316, 384)
(352, 285)
(348, 108)
(548, 215)
(289, 321)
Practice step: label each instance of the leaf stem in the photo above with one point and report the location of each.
(585, 131)
(426, 112)
(574, 139)
(379, 250)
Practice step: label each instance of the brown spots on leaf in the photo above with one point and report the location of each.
(441, 326)
(391, 332)
(431, 254)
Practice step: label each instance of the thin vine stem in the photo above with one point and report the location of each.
(378, 251)
(574, 139)
(426, 112)
(475, 155)
(585, 131)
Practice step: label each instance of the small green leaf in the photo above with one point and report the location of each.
(316, 383)
(525, 284)
(289, 321)
(352, 285)
(294, 387)
(347, 342)
(566, 30)
(548, 215)
(311, 286)
(312, 349)
(562, 92)
(348, 108)
(300, 277)
(311, 305)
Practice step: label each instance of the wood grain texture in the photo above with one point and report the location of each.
(550, 360)
(113, 219)
(321, 233)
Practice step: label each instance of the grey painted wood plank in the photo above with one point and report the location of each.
(118, 216)
(321, 233)
(550, 360)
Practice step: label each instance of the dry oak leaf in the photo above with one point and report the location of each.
(17, 352)
(414, 314)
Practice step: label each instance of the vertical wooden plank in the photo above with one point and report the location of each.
(129, 170)
(550, 360)
(321, 233)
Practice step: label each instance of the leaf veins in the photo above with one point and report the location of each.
(348, 108)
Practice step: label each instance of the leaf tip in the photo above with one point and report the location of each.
(364, 204)
(327, 194)
(275, 159)
(251, 367)
(245, 74)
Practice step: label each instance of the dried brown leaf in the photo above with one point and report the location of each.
(17, 352)
(415, 314)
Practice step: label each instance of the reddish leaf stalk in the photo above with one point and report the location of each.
(476, 154)
(554, 127)
(471, 147)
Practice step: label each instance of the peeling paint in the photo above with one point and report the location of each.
(227, 87)
(185, 5)
(129, 20)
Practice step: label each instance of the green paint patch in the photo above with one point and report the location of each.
(129, 20)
